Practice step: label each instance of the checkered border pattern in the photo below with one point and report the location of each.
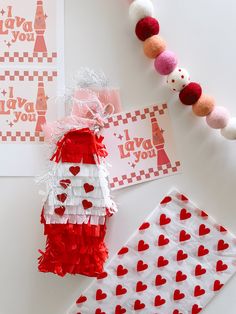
(135, 115)
(22, 75)
(142, 175)
(21, 137)
(36, 57)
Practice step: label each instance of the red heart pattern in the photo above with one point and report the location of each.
(65, 183)
(141, 266)
(166, 200)
(220, 266)
(62, 197)
(120, 290)
(203, 230)
(184, 236)
(140, 286)
(175, 247)
(142, 246)
(144, 226)
(121, 271)
(123, 251)
(199, 270)
(217, 285)
(99, 311)
(196, 309)
(162, 240)
(176, 312)
(164, 220)
(198, 291)
(88, 187)
(74, 170)
(222, 245)
(81, 299)
(181, 255)
(100, 295)
(180, 276)
(60, 210)
(184, 214)
(138, 305)
(182, 197)
(202, 251)
(159, 301)
(178, 295)
(162, 262)
(160, 280)
(203, 214)
(102, 275)
(120, 310)
(87, 204)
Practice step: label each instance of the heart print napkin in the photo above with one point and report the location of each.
(175, 263)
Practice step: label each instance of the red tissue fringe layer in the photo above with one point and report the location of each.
(74, 249)
(80, 146)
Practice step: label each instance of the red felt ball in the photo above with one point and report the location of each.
(146, 28)
(190, 94)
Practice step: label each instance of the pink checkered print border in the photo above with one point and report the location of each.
(144, 176)
(22, 75)
(21, 136)
(135, 115)
(36, 57)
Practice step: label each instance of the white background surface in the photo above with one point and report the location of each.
(98, 35)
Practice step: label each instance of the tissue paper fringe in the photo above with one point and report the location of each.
(66, 255)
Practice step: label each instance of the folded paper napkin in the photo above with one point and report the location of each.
(175, 263)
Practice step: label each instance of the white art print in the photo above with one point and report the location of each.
(31, 78)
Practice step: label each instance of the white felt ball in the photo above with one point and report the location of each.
(229, 131)
(178, 79)
(140, 9)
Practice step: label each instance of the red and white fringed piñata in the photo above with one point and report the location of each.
(78, 204)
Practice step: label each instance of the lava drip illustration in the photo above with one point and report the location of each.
(41, 107)
(40, 28)
(159, 143)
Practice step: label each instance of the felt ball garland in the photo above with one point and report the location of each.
(147, 30)
(147, 27)
(178, 79)
(154, 46)
(166, 62)
(140, 9)
(190, 94)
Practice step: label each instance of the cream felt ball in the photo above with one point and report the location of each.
(140, 9)
(218, 118)
(229, 132)
(166, 62)
(154, 46)
(178, 79)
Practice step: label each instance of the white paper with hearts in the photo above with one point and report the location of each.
(175, 263)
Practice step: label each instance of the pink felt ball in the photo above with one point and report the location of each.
(218, 118)
(166, 62)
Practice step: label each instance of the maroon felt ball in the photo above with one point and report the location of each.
(146, 28)
(190, 94)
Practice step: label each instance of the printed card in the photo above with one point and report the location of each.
(23, 111)
(29, 32)
(31, 79)
(141, 146)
